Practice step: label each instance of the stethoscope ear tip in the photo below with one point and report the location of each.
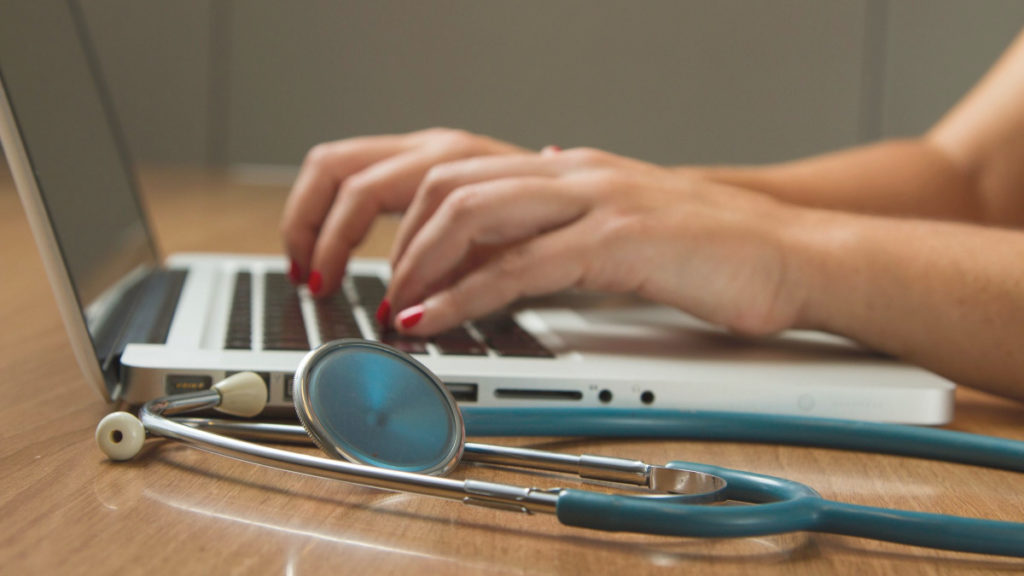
(242, 394)
(120, 436)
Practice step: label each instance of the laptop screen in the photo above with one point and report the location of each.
(50, 76)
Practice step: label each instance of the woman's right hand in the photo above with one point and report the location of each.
(343, 185)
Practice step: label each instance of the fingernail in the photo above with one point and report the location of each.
(550, 150)
(410, 316)
(383, 312)
(294, 274)
(315, 282)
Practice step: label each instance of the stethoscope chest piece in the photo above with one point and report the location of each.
(360, 404)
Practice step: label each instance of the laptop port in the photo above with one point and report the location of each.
(534, 394)
(462, 391)
(289, 386)
(182, 383)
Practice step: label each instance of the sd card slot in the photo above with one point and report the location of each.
(537, 394)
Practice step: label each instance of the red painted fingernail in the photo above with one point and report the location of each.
(316, 282)
(550, 149)
(294, 274)
(383, 312)
(410, 316)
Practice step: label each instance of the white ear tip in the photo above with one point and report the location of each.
(120, 436)
(242, 394)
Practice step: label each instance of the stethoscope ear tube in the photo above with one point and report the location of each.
(786, 506)
(781, 506)
(873, 437)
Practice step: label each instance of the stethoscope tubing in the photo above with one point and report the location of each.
(874, 437)
(787, 506)
(774, 505)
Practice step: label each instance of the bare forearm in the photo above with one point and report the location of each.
(899, 178)
(949, 297)
(967, 167)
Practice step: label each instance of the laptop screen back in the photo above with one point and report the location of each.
(50, 75)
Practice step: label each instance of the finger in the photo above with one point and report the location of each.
(443, 179)
(387, 185)
(487, 213)
(542, 265)
(322, 173)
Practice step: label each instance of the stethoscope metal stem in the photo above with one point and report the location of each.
(507, 497)
(604, 468)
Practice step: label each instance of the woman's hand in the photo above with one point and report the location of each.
(343, 185)
(482, 232)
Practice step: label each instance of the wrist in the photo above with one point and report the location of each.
(823, 267)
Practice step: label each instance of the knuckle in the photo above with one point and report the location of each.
(456, 141)
(436, 131)
(587, 155)
(603, 183)
(438, 181)
(320, 155)
(356, 184)
(360, 188)
(461, 203)
(514, 261)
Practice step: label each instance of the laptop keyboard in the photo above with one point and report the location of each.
(284, 327)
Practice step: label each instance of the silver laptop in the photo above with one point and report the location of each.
(142, 327)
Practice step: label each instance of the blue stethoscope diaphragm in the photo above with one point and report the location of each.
(360, 404)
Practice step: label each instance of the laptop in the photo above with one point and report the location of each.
(143, 326)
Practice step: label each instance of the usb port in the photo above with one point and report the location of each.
(182, 383)
(462, 391)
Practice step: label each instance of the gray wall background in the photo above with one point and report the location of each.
(223, 82)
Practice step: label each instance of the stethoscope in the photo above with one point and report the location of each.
(389, 423)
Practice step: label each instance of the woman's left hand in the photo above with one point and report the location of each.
(483, 232)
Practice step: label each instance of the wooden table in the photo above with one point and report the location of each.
(66, 510)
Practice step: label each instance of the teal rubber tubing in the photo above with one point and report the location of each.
(786, 506)
(882, 438)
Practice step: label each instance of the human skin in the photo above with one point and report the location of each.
(908, 246)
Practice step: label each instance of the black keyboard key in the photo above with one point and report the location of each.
(335, 318)
(370, 290)
(458, 341)
(283, 326)
(300, 344)
(239, 335)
